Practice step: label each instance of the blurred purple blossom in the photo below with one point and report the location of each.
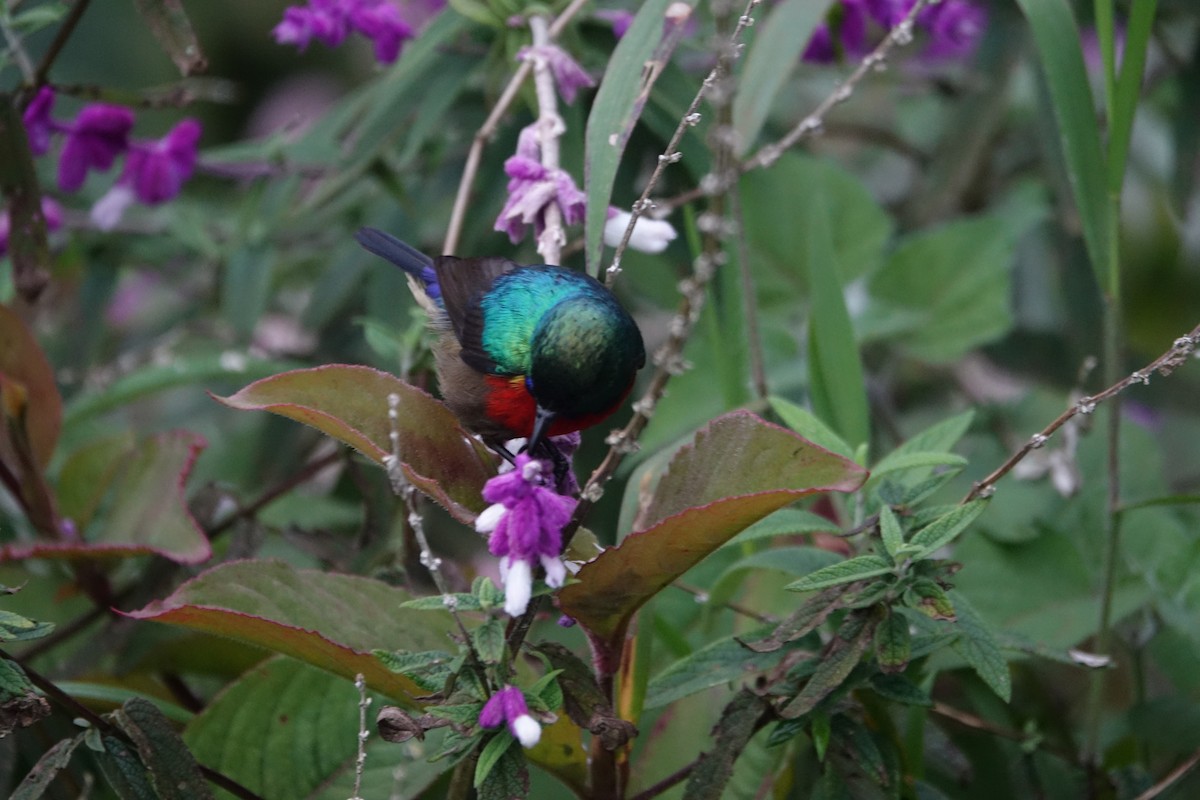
(532, 187)
(157, 170)
(331, 21)
(51, 212)
(568, 75)
(619, 18)
(525, 523)
(98, 136)
(39, 125)
(955, 29)
(1090, 41)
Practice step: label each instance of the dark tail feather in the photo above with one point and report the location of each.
(403, 255)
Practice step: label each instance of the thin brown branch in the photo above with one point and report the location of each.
(1171, 778)
(674, 779)
(52, 52)
(305, 473)
(1180, 349)
(702, 597)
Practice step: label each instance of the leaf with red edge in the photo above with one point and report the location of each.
(350, 403)
(23, 363)
(738, 470)
(330, 621)
(149, 506)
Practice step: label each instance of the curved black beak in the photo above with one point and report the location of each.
(541, 426)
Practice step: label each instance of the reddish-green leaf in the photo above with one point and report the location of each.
(328, 620)
(22, 362)
(149, 507)
(739, 469)
(350, 403)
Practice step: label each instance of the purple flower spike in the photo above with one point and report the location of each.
(568, 75)
(38, 123)
(508, 706)
(99, 135)
(525, 523)
(532, 187)
(157, 170)
(322, 20)
(955, 29)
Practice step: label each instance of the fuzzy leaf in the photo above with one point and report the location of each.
(149, 508)
(979, 648)
(172, 767)
(893, 643)
(836, 664)
(738, 470)
(52, 762)
(328, 620)
(848, 571)
(350, 403)
(944, 529)
(737, 725)
(723, 661)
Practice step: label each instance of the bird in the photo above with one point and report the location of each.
(522, 351)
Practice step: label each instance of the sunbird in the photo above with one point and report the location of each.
(522, 351)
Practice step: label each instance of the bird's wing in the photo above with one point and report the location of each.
(464, 282)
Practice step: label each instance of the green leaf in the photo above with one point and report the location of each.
(124, 771)
(52, 762)
(170, 25)
(775, 50)
(437, 602)
(508, 778)
(491, 755)
(905, 462)
(172, 767)
(20, 704)
(635, 65)
(489, 641)
(246, 288)
(932, 601)
(429, 669)
(328, 620)
(738, 470)
(779, 236)
(15, 628)
(835, 375)
(955, 279)
(723, 661)
(1058, 43)
(893, 643)
(944, 529)
(739, 722)
(836, 663)
(149, 511)
(979, 648)
(253, 730)
(848, 571)
(1128, 87)
(900, 689)
(808, 425)
(350, 403)
(889, 529)
(857, 743)
(821, 730)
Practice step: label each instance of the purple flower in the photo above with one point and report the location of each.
(525, 523)
(568, 75)
(330, 21)
(381, 23)
(888, 13)
(619, 18)
(532, 187)
(100, 134)
(157, 170)
(849, 19)
(955, 29)
(508, 706)
(51, 212)
(38, 122)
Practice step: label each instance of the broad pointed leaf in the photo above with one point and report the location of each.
(848, 571)
(149, 506)
(283, 706)
(350, 403)
(738, 470)
(328, 620)
(172, 767)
